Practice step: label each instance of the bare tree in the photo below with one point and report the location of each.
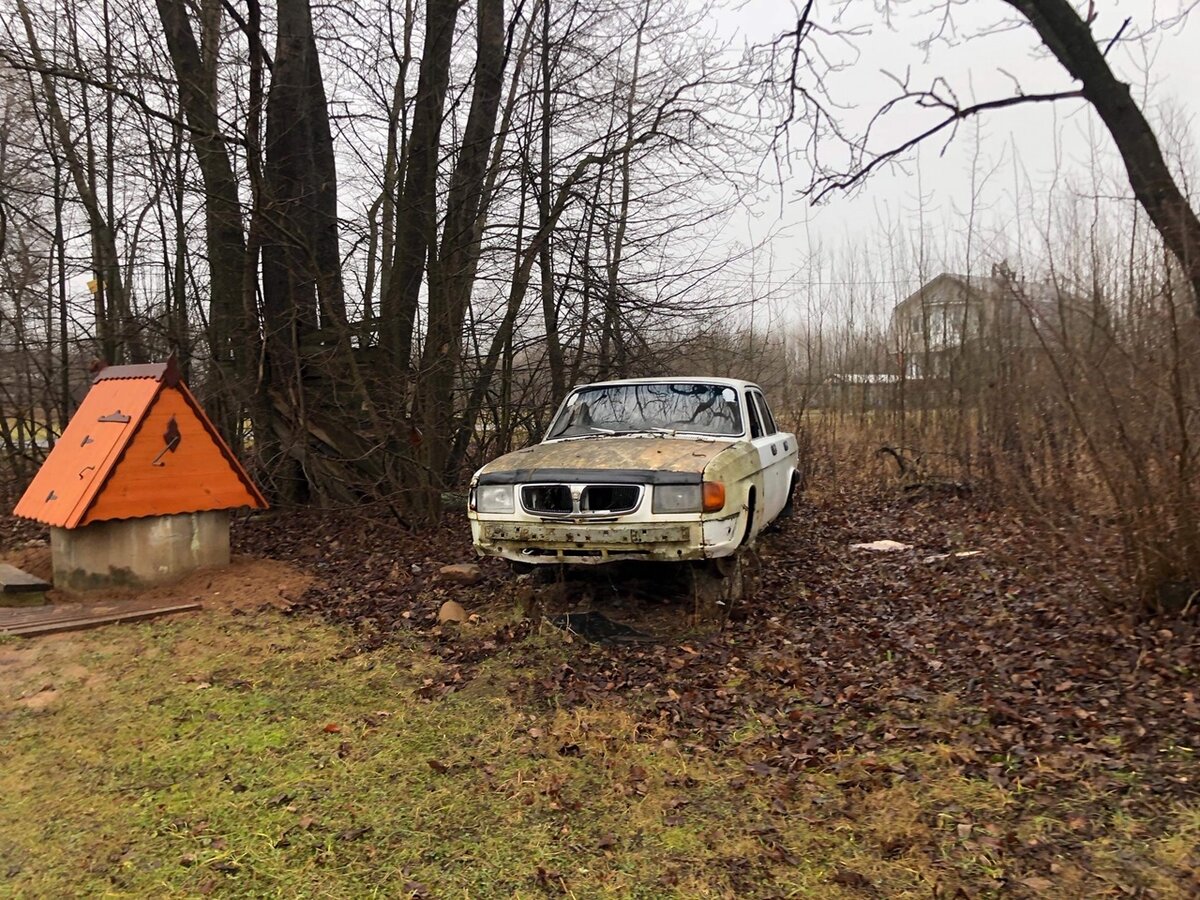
(417, 207)
(112, 302)
(1071, 38)
(452, 272)
(200, 176)
(301, 261)
(224, 233)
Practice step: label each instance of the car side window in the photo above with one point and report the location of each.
(764, 413)
(756, 428)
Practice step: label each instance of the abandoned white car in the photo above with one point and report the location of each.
(666, 469)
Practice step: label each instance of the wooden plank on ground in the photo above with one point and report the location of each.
(74, 608)
(13, 616)
(85, 618)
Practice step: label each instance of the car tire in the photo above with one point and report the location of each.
(719, 585)
(539, 573)
(789, 508)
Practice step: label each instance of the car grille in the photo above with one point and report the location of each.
(581, 499)
(547, 498)
(610, 498)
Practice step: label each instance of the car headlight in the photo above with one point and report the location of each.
(677, 498)
(689, 498)
(494, 498)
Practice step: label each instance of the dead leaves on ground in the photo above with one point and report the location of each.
(1008, 663)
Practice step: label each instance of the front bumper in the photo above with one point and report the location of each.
(591, 543)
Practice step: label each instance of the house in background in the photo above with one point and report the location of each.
(957, 325)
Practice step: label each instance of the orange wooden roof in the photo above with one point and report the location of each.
(139, 445)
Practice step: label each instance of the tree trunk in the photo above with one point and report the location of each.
(397, 152)
(451, 275)
(558, 375)
(417, 208)
(301, 264)
(225, 238)
(500, 340)
(470, 414)
(251, 340)
(616, 245)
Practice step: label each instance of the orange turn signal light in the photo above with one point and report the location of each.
(714, 496)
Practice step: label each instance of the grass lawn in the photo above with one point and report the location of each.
(249, 755)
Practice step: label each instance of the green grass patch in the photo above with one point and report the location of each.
(249, 756)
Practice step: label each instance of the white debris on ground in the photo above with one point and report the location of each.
(962, 554)
(882, 546)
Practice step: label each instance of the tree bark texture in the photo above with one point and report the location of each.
(417, 207)
(451, 275)
(224, 234)
(301, 262)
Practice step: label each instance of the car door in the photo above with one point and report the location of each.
(776, 455)
(766, 448)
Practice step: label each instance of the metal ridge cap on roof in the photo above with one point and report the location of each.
(136, 370)
(166, 372)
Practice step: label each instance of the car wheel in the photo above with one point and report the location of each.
(789, 508)
(540, 573)
(721, 584)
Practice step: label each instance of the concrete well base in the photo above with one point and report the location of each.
(138, 552)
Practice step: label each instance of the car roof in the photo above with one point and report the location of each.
(681, 379)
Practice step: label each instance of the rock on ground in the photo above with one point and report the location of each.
(452, 611)
(461, 573)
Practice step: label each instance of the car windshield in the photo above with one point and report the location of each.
(687, 407)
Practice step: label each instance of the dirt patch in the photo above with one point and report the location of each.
(41, 699)
(36, 673)
(33, 558)
(48, 671)
(16, 659)
(246, 584)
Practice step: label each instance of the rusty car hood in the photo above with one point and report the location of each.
(648, 458)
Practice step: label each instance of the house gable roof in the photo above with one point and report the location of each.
(1039, 298)
(83, 479)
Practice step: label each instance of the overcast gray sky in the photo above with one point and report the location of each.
(1012, 157)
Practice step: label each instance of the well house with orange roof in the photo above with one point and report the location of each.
(139, 487)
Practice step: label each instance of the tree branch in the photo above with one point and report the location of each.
(1116, 37)
(824, 185)
(250, 33)
(47, 71)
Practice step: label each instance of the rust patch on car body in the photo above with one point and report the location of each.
(609, 453)
(594, 543)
